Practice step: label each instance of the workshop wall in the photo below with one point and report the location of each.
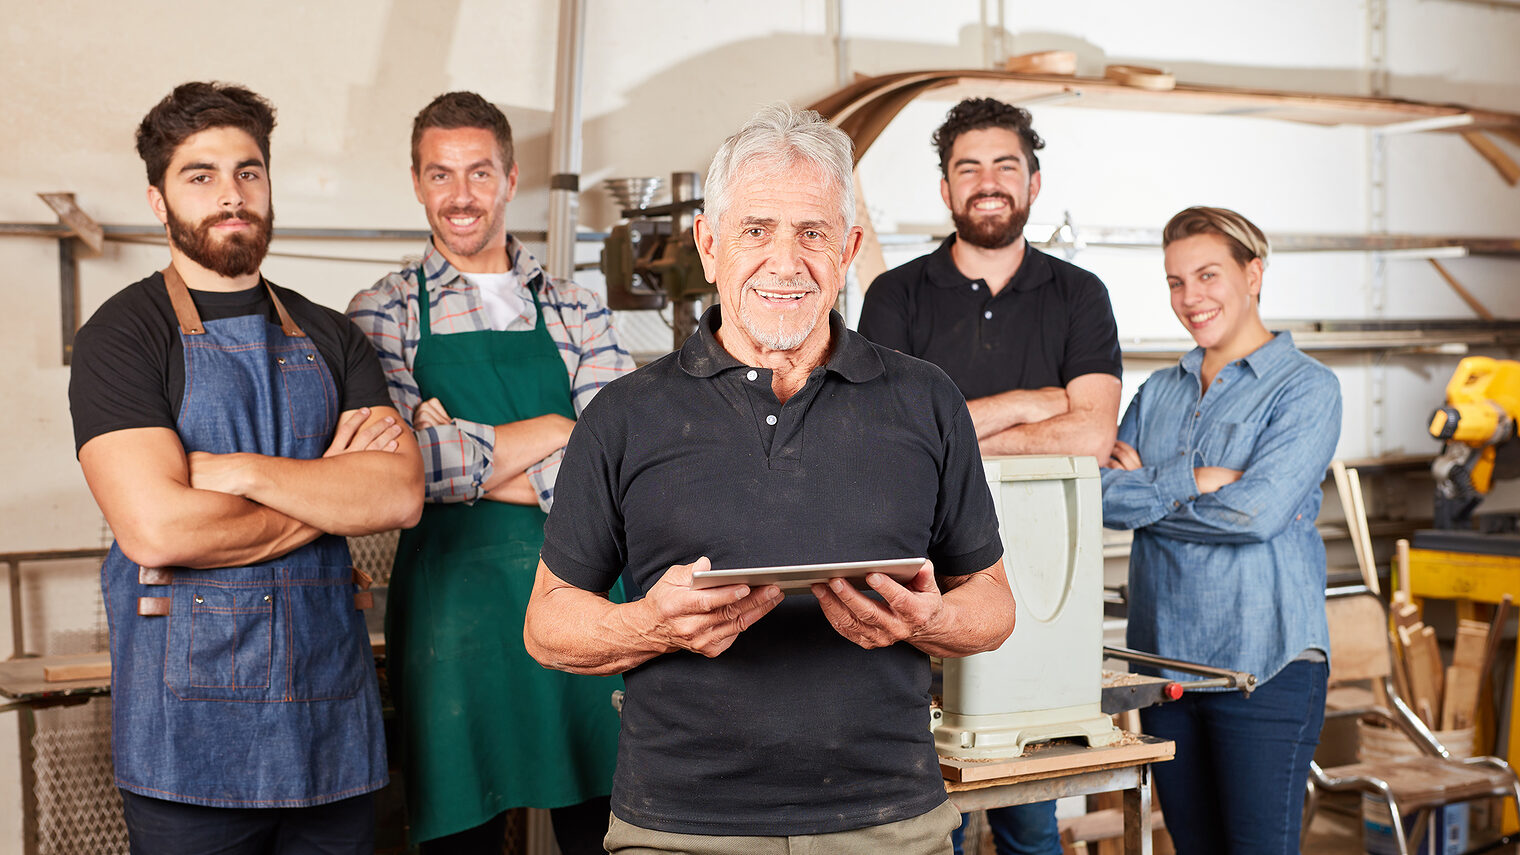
(664, 82)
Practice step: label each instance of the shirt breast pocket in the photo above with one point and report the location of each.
(1230, 444)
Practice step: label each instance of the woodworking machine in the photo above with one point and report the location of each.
(1477, 424)
(650, 258)
(1047, 682)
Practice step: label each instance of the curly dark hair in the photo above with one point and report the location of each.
(462, 110)
(974, 114)
(195, 107)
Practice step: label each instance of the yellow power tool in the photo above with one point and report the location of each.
(1477, 423)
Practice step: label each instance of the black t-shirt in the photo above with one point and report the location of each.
(793, 729)
(129, 362)
(1051, 323)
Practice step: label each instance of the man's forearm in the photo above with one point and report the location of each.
(569, 629)
(1073, 433)
(515, 491)
(519, 445)
(997, 413)
(140, 480)
(350, 494)
(977, 616)
(253, 535)
(202, 529)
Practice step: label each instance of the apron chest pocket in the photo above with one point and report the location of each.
(309, 404)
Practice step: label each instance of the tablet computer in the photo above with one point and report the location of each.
(795, 578)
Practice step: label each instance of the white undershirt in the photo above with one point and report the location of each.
(498, 295)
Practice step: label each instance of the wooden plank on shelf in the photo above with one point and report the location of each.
(877, 100)
(1304, 107)
(95, 668)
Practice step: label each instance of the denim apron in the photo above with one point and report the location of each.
(483, 726)
(245, 686)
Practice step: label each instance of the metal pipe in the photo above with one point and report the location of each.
(684, 313)
(1218, 676)
(565, 141)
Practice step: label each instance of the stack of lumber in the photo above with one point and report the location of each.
(1446, 697)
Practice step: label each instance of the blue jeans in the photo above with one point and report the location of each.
(159, 827)
(1018, 830)
(1237, 783)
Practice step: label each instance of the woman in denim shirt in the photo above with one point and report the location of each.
(1217, 470)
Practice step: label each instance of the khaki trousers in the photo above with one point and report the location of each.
(927, 834)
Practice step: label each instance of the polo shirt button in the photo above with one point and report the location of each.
(987, 315)
(976, 286)
(751, 374)
(770, 420)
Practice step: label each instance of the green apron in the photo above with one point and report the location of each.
(482, 726)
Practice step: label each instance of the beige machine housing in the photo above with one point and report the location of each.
(1045, 682)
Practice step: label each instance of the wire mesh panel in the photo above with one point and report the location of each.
(373, 554)
(78, 808)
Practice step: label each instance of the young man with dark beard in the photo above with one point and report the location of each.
(232, 432)
(1029, 339)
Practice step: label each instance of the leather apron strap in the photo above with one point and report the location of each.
(190, 318)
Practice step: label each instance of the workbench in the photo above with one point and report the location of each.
(25, 689)
(1059, 769)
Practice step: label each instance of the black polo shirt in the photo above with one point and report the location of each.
(793, 729)
(1051, 323)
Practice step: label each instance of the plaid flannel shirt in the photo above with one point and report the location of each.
(457, 457)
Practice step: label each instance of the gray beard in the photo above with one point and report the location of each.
(779, 338)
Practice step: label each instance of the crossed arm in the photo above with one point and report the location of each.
(517, 446)
(202, 510)
(1078, 419)
(571, 629)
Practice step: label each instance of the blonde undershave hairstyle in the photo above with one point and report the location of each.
(1245, 240)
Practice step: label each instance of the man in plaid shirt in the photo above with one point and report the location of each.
(491, 361)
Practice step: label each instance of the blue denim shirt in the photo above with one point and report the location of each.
(1234, 578)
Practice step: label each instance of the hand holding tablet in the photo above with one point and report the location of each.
(796, 578)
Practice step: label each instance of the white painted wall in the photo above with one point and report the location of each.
(665, 80)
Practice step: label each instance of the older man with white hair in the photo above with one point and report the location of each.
(774, 436)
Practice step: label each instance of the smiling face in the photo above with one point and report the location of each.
(1215, 296)
(778, 256)
(464, 187)
(215, 201)
(989, 187)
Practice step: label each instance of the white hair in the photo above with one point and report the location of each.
(776, 139)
